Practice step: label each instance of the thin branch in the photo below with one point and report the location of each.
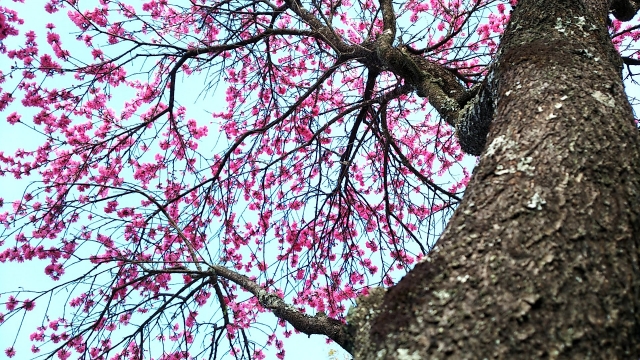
(406, 162)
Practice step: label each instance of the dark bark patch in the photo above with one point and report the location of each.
(539, 52)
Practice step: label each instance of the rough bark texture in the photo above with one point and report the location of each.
(541, 258)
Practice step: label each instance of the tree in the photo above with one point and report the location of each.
(325, 179)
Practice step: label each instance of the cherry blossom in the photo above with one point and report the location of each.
(307, 166)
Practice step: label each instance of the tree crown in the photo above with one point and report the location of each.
(200, 163)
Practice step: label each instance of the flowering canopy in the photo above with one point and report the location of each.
(202, 161)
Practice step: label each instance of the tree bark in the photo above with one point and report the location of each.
(541, 258)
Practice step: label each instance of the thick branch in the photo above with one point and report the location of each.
(469, 111)
(389, 22)
(318, 324)
(330, 37)
(624, 10)
(630, 61)
(475, 118)
(431, 80)
(445, 92)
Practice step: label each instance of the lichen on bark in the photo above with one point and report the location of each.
(359, 320)
(541, 261)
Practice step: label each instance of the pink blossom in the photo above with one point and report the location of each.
(13, 118)
(28, 304)
(191, 319)
(6, 29)
(52, 38)
(11, 303)
(54, 270)
(63, 354)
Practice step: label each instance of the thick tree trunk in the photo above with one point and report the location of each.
(541, 258)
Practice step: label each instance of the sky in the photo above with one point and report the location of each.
(30, 275)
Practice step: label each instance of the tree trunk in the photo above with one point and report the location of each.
(541, 258)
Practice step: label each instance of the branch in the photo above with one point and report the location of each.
(624, 10)
(635, 27)
(386, 97)
(241, 138)
(318, 324)
(345, 158)
(475, 118)
(446, 94)
(403, 159)
(327, 33)
(450, 35)
(630, 61)
(252, 40)
(175, 226)
(469, 111)
(389, 22)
